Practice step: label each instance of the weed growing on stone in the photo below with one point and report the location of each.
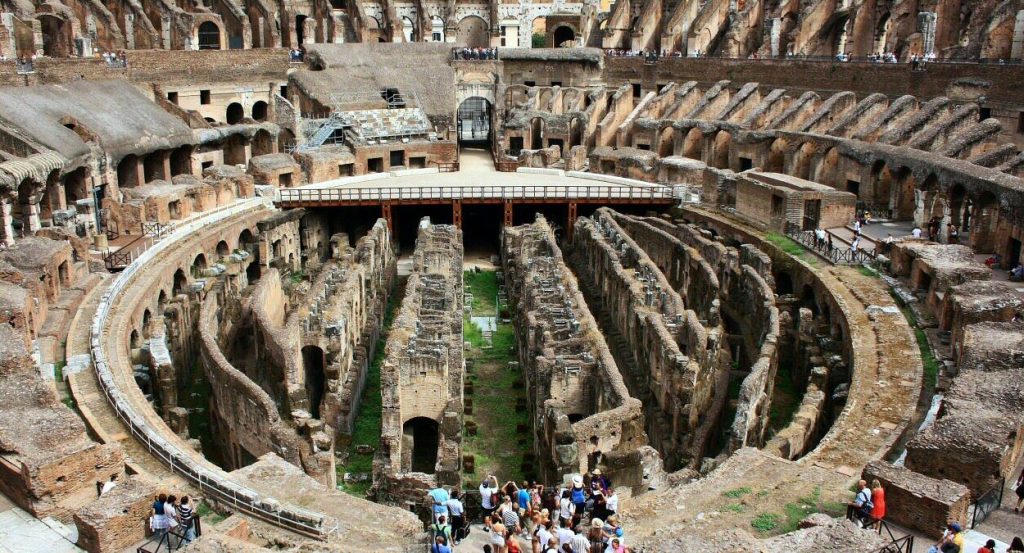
(766, 522)
(785, 243)
(735, 508)
(737, 493)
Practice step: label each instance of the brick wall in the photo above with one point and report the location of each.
(919, 502)
(117, 520)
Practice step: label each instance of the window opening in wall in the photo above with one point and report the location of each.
(206, 165)
(418, 162)
(556, 83)
(284, 180)
(853, 187)
(812, 214)
(1020, 122)
(746, 164)
(345, 170)
(375, 165)
(515, 145)
(984, 113)
(284, 91)
(172, 97)
(204, 97)
(556, 142)
(422, 435)
(397, 158)
(646, 147)
(636, 90)
(530, 83)
(313, 365)
(778, 207)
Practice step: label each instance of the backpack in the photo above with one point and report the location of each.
(438, 530)
(866, 504)
(577, 496)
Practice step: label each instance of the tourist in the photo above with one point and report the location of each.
(615, 546)
(579, 542)
(542, 533)
(578, 496)
(952, 540)
(510, 516)
(441, 529)
(887, 244)
(1017, 275)
(601, 481)
(990, 547)
(157, 519)
(954, 234)
(855, 244)
(498, 538)
(862, 504)
(536, 492)
(440, 546)
(187, 518)
(566, 509)
(564, 532)
(819, 238)
(1019, 486)
(611, 503)
(878, 499)
(596, 534)
(1016, 546)
(523, 497)
(511, 543)
(108, 485)
(458, 514)
(487, 495)
(916, 233)
(439, 500)
(171, 515)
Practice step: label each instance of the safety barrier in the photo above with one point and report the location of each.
(525, 192)
(209, 481)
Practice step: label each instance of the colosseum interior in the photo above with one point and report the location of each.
(306, 262)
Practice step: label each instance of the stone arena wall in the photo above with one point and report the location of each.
(569, 368)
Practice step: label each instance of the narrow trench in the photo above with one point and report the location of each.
(355, 467)
(497, 426)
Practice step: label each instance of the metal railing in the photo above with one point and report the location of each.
(123, 256)
(530, 192)
(474, 54)
(986, 503)
(25, 67)
(211, 482)
(902, 544)
(172, 540)
(447, 166)
(838, 256)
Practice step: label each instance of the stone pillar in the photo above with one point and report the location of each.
(129, 30)
(166, 162)
(6, 228)
(1017, 46)
(37, 37)
(30, 220)
(926, 22)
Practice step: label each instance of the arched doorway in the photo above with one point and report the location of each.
(313, 368)
(262, 143)
(180, 282)
(259, 111)
(235, 113)
(537, 133)
(562, 35)
(474, 120)
(472, 31)
(421, 434)
(199, 265)
(409, 30)
(300, 30)
(209, 36)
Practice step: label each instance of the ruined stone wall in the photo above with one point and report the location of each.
(676, 367)
(570, 372)
(918, 502)
(423, 370)
(277, 347)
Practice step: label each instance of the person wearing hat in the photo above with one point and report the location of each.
(952, 540)
(578, 496)
(600, 482)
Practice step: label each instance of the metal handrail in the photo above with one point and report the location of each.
(837, 256)
(396, 193)
(987, 503)
(247, 500)
(903, 544)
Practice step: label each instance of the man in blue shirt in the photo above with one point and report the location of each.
(523, 497)
(439, 499)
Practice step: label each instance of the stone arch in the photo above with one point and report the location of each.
(693, 143)
(223, 250)
(234, 114)
(563, 34)
(959, 205)
(902, 199)
(776, 161)
(409, 31)
(436, 29)
(720, 150)
(882, 30)
(666, 141)
(180, 283)
(146, 317)
(128, 172)
(472, 31)
(575, 132)
(52, 196)
(801, 164)
(199, 265)
(984, 221)
(537, 133)
(181, 160)
(76, 185)
(259, 111)
(208, 36)
(828, 168)
(423, 436)
(24, 212)
(474, 119)
(58, 35)
(314, 371)
(262, 143)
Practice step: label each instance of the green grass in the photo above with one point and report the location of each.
(867, 271)
(366, 429)
(785, 400)
(737, 493)
(735, 508)
(484, 287)
(208, 515)
(930, 363)
(495, 448)
(785, 243)
(766, 522)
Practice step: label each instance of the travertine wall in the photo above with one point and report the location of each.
(580, 408)
(423, 370)
(117, 520)
(675, 365)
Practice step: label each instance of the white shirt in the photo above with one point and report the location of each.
(455, 507)
(565, 536)
(485, 497)
(612, 503)
(916, 233)
(544, 536)
(566, 508)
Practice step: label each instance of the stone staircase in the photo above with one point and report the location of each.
(374, 124)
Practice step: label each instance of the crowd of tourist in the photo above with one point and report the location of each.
(173, 514)
(579, 517)
(475, 53)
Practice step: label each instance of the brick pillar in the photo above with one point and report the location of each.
(31, 218)
(457, 213)
(508, 214)
(571, 220)
(385, 212)
(166, 159)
